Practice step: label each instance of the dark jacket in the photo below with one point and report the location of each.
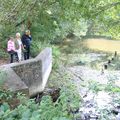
(26, 40)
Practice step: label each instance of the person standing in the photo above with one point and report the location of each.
(26, 41)
(19, 46)
(11, 49)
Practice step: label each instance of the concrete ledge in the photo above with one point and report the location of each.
(32, 74)
(46, 60)
(13, 82)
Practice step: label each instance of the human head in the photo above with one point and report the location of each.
(27, 32)
(10, 38)
(17, 35)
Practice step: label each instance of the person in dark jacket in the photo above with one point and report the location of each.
(26, 41)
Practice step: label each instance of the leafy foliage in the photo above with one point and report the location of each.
(48, 23)
(46, 110)
(109, 87)
(51, 25)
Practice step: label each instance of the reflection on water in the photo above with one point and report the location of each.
(103, 45)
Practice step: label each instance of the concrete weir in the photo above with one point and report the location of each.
(29, 76)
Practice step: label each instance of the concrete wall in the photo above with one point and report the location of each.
(46, 60)
(13, 82)
(34, 72)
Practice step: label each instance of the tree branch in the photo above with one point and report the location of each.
(31, 8)
(106, 7)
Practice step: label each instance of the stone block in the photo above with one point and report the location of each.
(46, 58)
(33, 73)
(13, 82)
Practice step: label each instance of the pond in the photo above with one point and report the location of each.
(103, 45)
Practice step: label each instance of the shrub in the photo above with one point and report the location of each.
(62, 109)
(56, 56)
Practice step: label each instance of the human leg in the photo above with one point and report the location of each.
(19, 55)
(16, 56)
(11, 57)
(28, 52)
(25, 55)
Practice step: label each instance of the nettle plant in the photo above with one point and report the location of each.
(111, 86)
(95, 86)
(63, 109)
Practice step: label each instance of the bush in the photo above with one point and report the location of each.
(56, 56)
(62, 109)
(36, 47)
(3, 54)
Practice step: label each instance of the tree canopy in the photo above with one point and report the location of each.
(50, 19)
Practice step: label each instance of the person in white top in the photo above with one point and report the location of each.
(20, 46)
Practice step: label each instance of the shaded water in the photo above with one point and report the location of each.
(103, 45)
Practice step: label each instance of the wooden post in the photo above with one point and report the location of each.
(115, 54)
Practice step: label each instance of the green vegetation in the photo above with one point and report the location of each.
(18, 107)
(53, 23)
(66, 104)
(110, 87)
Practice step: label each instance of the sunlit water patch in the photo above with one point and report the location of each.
(103, 45)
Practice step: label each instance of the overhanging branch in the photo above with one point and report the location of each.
(106, 7)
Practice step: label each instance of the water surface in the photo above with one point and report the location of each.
(103, 45)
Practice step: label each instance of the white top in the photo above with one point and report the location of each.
(19, 51)
(20, 45)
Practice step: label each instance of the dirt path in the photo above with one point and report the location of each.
(3, 62)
